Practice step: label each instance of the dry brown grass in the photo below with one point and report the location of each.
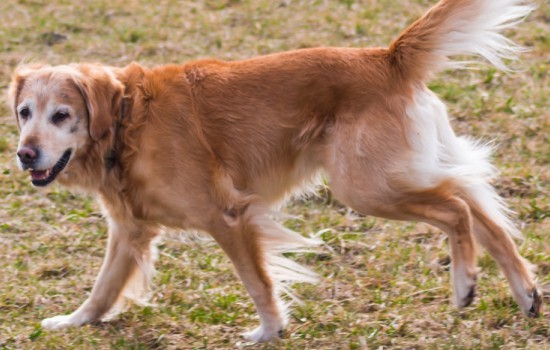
(386, 285)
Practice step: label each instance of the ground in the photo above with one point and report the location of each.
(384, 284)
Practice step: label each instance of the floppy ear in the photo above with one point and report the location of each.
(14, 90)
(16, 85)
(102, 93)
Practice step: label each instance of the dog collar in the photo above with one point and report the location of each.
(110, 157)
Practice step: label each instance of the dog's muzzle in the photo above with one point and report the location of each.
(41, 177)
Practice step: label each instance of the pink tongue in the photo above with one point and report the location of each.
(39, 174)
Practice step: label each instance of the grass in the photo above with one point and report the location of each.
(385, 284)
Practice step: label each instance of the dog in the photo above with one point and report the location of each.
(214, 146)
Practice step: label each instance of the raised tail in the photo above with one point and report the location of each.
(458, 27)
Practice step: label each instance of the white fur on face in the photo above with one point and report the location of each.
(45, 95)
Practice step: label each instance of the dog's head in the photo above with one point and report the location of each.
(60, 111)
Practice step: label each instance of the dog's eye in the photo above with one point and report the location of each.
(24, 113)
(59, 117)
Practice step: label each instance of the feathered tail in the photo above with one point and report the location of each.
(458, 27)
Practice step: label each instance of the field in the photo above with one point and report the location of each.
(384, 285)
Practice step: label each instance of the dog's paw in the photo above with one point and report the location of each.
(62, 321)
(262, 334)
(530, 302)
(464, 288)
(536, 306)
(465, 297)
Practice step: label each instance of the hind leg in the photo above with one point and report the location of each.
(369, 173)
(448, 213)
(517, 270)
(452, 215)
(379, 163)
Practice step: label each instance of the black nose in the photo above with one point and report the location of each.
(27, 155)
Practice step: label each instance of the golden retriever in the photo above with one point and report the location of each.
(214, 146)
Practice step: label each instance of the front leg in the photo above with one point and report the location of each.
(246, 242)
(126, 272)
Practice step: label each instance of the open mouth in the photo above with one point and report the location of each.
(44, 177)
